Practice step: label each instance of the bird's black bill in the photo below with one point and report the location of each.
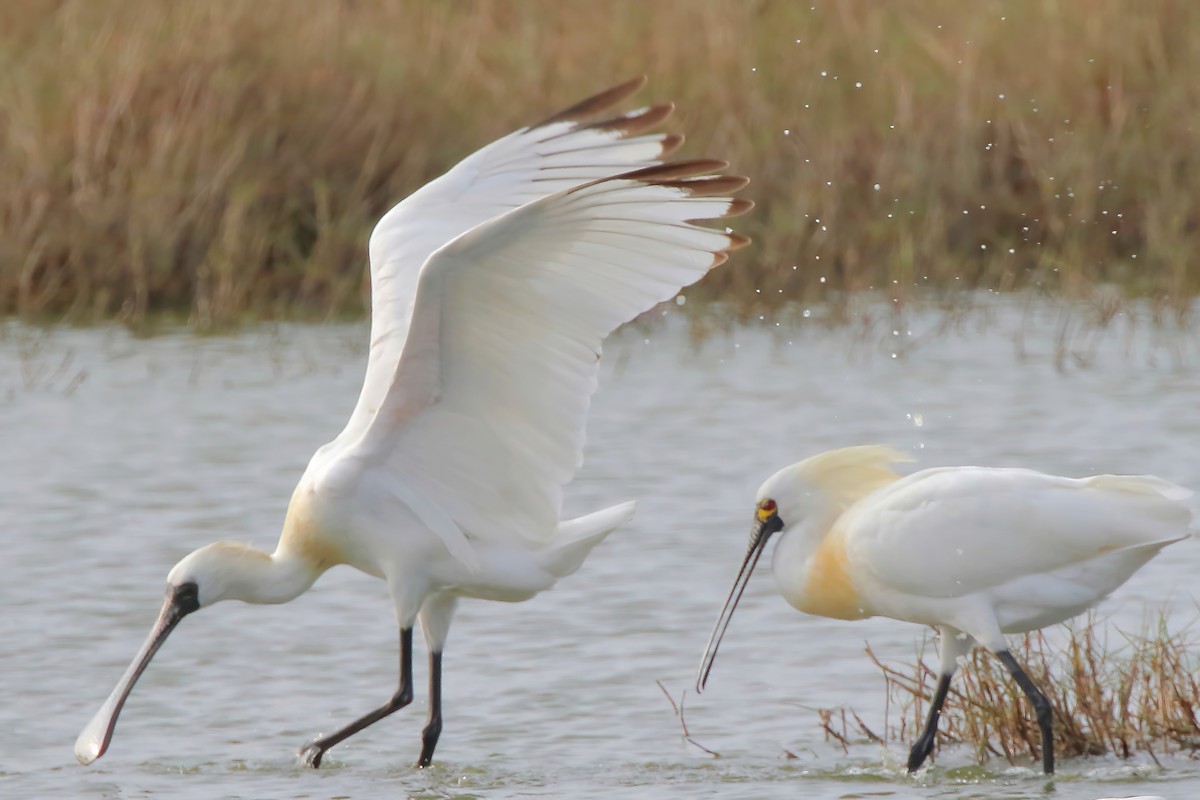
(759, 534)
(93, 742)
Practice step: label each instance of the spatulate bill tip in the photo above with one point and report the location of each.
(87, 750)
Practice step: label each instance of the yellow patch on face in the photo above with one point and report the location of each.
(828, 590)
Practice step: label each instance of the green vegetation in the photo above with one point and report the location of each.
(225, 160)
(1137, 696)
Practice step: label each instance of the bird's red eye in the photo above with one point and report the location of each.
(767, 505)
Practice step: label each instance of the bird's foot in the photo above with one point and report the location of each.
(311, 754)
(920, 751)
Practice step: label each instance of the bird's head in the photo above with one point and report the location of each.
(812, 491)
(219, 571)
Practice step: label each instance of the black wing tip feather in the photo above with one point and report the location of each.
(708, 185)
(634, 122)
(695, 178)
(626, 125)
(593, 105)
(670, 143)
(673, 170)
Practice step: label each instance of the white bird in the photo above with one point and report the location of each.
(976, 552)
(492, 288)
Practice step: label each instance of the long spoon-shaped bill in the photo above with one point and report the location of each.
(759, 534)
(94, 741)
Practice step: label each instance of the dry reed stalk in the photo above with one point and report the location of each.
(1140, 696)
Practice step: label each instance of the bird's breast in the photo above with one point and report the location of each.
(820, 583)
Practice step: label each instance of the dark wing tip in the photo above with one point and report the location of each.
(709, 185)
(736, 242)
(659, 173)
(596, 103)
(626, 125)
(670, 143)
(738, 206)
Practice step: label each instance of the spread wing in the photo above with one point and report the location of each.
(564, 151)
(483, 418)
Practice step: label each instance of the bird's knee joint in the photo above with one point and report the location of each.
(402, 698)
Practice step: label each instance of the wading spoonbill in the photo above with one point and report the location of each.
(975, 552)
(492, 289)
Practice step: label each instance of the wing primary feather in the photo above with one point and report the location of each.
(708, 186)
(593, 105)
(672, 169)
(630, 124)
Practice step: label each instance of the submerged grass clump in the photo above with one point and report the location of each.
(1137, 695)
(229, 160)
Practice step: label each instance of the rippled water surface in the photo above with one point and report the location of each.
(122, 455)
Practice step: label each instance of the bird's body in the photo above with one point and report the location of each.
(976, 552)
(492, 289)
(993, 549)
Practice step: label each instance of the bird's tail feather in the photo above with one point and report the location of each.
(1167, 501)
(1140, 484)
(576, 538)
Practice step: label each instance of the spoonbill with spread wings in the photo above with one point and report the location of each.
(975, 552)
(492, 289)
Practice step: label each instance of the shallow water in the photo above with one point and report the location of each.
(122, 455)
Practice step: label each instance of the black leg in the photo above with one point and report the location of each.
(312, 753)
(1041, 705)
(429, 736)
(924, 744)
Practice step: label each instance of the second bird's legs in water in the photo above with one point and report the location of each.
(429, 736)
(312, 753)
(1041, 706)
(924, 744)
(1045, 714)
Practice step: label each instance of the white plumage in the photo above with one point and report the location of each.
(976, 552)
(492, 290)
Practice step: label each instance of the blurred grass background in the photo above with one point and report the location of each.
(227, 160)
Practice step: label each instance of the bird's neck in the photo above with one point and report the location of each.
(262, 578)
